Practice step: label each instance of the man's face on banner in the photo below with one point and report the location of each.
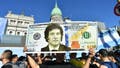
(54, 37)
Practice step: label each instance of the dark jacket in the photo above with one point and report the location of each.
(61, 48)
(7, 65)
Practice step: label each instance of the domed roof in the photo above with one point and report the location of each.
(56, 11)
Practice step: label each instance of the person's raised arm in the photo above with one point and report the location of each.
(39, 58)
(91, 54)
(32, 63)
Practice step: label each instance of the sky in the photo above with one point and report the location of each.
(76, 10)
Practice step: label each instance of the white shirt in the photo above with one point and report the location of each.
(53, 48)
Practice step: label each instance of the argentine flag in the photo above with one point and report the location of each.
(3, 23)
(108, 38)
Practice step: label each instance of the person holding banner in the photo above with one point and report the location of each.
(53, 35)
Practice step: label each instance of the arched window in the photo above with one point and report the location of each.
(12, 22)
(10, 32)
(25, 33)
(26, 23)
(18, 33)
(20, 22)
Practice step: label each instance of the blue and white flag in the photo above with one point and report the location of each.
(108, 39)
(3, 23)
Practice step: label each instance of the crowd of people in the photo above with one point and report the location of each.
(101, 59)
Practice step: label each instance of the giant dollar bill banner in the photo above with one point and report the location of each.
(77, 36)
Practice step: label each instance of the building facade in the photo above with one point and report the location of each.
(56, 15)
(17, 24)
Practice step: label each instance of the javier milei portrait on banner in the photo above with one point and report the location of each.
(53, 35)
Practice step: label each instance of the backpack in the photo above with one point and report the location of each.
(110, 64)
